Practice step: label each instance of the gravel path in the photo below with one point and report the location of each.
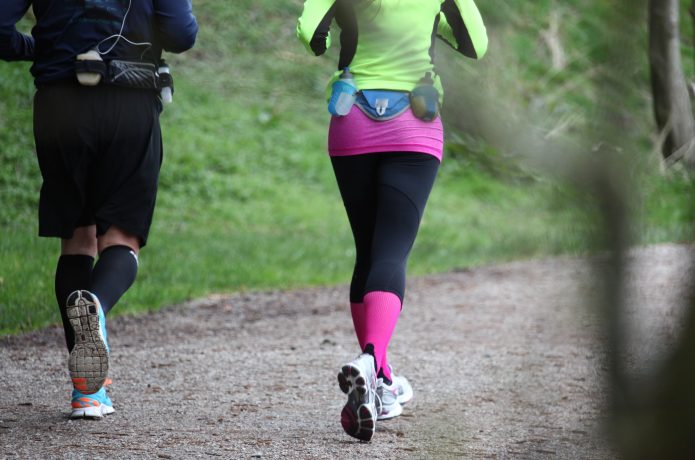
(504, 360)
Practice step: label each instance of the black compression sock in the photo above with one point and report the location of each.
(74, 272)
(369, 348)
(113, 274)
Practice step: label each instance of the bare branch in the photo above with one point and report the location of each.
(552, 39)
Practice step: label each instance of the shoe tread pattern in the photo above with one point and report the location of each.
(358, 417)
(89, 358)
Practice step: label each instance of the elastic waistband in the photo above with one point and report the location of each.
(73, 83)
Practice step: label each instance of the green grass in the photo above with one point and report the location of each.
(247, 197)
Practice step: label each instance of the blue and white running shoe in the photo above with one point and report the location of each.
(93, 406)
(89, 357)
(358, 380)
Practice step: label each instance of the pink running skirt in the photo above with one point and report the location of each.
(357, 134)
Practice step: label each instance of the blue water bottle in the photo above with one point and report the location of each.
(424, 99)
(343, 94)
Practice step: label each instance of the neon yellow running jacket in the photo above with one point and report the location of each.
(389, 44)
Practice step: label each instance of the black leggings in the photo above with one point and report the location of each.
(384, 196)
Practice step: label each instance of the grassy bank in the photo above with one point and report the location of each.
(247, 197)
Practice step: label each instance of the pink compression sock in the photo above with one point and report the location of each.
(358, 319)
(381, 312)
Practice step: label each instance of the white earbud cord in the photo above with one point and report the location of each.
(119, 36)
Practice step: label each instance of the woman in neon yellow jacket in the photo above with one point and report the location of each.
(385, 142)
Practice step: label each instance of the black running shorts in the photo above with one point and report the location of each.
(100, 151)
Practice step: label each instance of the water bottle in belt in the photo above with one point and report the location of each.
(343, 94)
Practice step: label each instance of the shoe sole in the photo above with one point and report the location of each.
(89, 358)
(92, 413)
(357, 418)
(392, 412)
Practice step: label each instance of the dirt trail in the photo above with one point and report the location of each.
(504, 361)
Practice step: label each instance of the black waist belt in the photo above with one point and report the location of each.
(127, 74)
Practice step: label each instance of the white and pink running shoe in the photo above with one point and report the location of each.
(358, 380)
(393, 397)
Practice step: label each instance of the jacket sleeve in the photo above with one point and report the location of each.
(313, 28)
(462, 27)
(175, 24)
(14, 45)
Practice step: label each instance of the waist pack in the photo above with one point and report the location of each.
(117, 72)
(133, 74)
(381, 105)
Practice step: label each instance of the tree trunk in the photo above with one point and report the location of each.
(672, 106)
(692, 18)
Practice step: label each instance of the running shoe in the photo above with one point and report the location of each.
(93, 406)
(388, 395)
(358, 380)
(405, 391)
(89, 357)
(393, 396)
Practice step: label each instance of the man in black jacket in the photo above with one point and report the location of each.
(98, 142)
